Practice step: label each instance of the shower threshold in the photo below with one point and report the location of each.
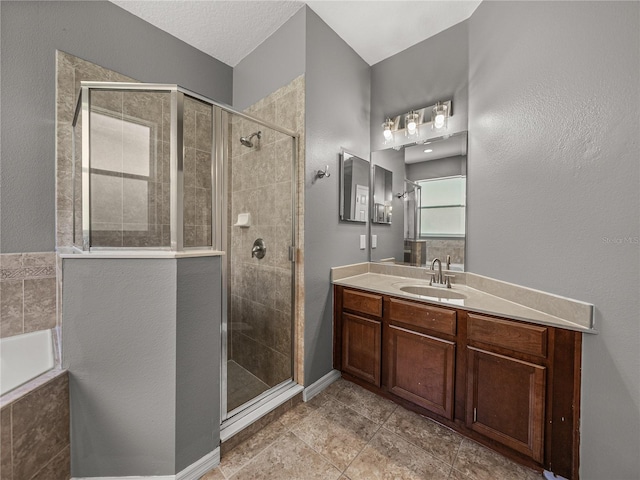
(245, 415)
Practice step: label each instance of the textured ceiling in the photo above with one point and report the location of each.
(380, 29)
(226, 30)
(230, 30)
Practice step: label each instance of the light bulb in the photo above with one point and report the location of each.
(428, 150)
(439, 116)
(411, 124)
(387, 132)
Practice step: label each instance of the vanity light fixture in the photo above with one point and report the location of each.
(439, 116)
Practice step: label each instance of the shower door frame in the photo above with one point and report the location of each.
(237, 418)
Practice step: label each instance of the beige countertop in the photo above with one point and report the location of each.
(567, 313)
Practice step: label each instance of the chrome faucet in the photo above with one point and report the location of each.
(438, 279)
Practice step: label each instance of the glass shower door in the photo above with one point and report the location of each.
(260, 228)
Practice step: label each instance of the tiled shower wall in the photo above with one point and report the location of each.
(70, 72)
(131, 193)
(27, 292)
(261, 290)
(441, 248)
(197, 141)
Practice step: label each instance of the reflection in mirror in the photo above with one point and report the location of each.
(382, 195)
(354, 188)
(433, 209)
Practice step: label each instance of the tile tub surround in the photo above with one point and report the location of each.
(34, 433)
(485, 295)
(27, 292)
(349, 433)
(260, 184)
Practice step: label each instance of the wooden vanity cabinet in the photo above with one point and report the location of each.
(419, 353)
(360, 323)
(506, 396)
(511, 385)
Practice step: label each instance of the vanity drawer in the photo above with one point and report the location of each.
(362, 302)
(518, 337)
(423, 316)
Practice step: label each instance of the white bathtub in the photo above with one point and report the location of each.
(25, 357)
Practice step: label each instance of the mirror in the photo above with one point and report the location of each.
(354, 188)
(430, 203)
(382, 195)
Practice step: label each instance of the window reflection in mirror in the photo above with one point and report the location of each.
(354, 188)
(430, 204)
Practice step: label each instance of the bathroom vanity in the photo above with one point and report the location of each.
(510, 384)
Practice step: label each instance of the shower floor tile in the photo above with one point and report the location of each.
(242, 385)
(346, 434)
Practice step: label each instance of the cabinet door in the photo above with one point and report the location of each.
(505, 401)
(420, 369)
(361, 347)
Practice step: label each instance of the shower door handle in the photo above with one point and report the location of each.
(259, 249)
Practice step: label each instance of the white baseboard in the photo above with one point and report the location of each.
(200, 467)
(192, 472)
(318, 386)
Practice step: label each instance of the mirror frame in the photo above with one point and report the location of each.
(344, 156)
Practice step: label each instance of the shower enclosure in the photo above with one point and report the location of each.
(157, 168)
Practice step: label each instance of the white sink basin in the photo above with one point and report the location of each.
(433, 292)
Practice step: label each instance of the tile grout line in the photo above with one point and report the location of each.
(253, 459)
(437, 457)
(50, 461)
(456, 458)
(368, 441)
(11, 438)
(260, 452)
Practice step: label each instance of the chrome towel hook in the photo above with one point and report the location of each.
(323, 173)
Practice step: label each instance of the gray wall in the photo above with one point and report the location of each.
(432, 70)
(390, 243)
(99, 32)
(337, 115)
(554, 203)
(142, 344)
(119, 340)
(273, 64)
(199, 311)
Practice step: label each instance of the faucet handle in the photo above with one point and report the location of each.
(432, 280)
(448, 279)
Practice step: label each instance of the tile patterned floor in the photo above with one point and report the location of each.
(348, 433)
